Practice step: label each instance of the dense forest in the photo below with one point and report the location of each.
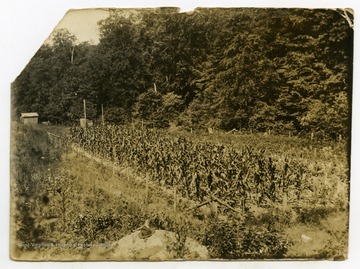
(279, 70)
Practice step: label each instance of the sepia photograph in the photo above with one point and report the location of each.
(155, 134)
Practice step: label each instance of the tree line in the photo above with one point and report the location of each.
(283, 70)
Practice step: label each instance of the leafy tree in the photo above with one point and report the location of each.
(115, 115)
(259, 69)
(306, 44)
(332, 120)
(148, 106)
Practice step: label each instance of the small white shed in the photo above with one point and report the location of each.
(29, 118)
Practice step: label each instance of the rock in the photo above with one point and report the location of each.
(159, 246)
(305, 238)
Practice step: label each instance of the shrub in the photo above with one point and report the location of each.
(231, 240)
(221, 239)
(261, 243)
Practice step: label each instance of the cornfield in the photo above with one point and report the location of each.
(237, 179)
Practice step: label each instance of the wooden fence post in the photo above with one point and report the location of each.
(146, 190)
(175, 199)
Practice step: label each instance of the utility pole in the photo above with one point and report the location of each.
(72, 55)
(85, 113)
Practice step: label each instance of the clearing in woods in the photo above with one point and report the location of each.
(265, 196)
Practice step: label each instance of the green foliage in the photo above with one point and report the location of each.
(148, 106)
(178, 248)
(116, 115)
(330, 119)
(230, 240)
(31, 155)
(221, 238)
(171, 106)
(263, 243)
(157, 110)
(285, 70)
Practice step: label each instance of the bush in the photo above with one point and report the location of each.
(261, 243)
(231, 240)
(221, 239)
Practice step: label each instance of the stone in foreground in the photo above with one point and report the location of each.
(161, 245)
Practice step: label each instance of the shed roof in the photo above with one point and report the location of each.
(29, 115)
